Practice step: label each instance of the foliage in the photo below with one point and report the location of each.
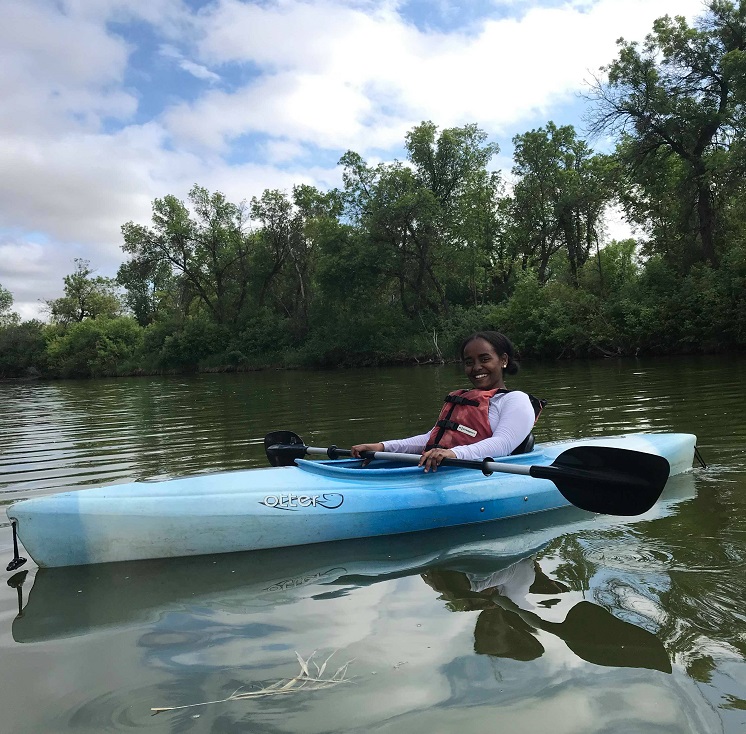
(426, 229)
(85, 297)
(559, 199)
(677, 101)
(183, 347)
(7, 317)
(149, 288)
(351, 336)
(96, 347)
(22, 349)
(204, 259)
(554, 321)
(293, 232)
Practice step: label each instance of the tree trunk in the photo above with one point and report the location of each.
(706, 212)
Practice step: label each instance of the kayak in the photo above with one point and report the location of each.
(308, 502)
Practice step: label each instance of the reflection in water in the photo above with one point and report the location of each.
(492, 569)
(505, 629)
(65, 602)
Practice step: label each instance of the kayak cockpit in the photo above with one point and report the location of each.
(380, 468)
(353, 468)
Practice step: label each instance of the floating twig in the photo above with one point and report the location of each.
(304, 680)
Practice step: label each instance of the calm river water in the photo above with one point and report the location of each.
(560, 622)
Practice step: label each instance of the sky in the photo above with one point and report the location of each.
(109, 104)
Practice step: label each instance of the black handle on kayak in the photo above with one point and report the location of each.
(603, 479)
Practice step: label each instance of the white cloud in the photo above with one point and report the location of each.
(30, 271)
(201, 72)
(197, 70)
(57, 73)
(170, 16)
(333, 73)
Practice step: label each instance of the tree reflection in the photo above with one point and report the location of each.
(701, 617)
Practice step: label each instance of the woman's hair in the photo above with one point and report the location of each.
(500, 343)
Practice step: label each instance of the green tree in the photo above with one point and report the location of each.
(86, 297)
(149, 288)
(561, 192)
(677, 103)
(96, 347)
(7, 317)
(286, 248)
(208, 254)
(426, 224)
(22, 349)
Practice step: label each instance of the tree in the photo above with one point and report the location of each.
(95, 347)
(560, 195)
(149, 287)
(287, 245)
(678, 98)
(85, 297)
(209, 254)
(425, 220)
(7, 317)
(280, 244)
(22, 349)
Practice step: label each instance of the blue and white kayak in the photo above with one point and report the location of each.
(310, 502)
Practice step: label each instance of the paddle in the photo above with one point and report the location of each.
(600, 479)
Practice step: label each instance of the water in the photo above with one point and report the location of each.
(561, 622)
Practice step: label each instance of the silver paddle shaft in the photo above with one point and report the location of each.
(415, 459)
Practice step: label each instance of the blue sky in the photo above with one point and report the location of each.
(108, 104)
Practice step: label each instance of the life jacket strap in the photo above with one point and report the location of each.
(459, 400)
(453, 426)
(538, 404)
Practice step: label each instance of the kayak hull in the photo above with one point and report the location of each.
(312, 502)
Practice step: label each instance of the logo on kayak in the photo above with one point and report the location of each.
(294, 502)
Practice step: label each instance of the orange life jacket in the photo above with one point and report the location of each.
(464, 419)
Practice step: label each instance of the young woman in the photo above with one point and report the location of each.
(486, 421)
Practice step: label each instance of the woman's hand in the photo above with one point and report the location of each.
(358, 448)
(431, 459)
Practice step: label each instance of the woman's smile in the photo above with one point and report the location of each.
(483, 366)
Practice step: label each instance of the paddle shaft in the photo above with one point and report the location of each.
(491, 466)
(486, 466)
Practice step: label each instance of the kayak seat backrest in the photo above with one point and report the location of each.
(526, 445)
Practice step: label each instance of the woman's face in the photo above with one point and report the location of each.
(483, 365)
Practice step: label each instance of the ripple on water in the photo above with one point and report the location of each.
(122, 710)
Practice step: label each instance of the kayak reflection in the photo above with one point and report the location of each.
(68, 602)
(506, 628)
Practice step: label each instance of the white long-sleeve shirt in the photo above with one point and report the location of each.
(511, 418)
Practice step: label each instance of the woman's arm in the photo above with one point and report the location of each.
(411, 445)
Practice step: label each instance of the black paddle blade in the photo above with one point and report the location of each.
(608, 480)
(283, 448)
